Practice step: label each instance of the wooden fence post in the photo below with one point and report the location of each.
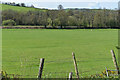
(41, 67)
(75, 64)
(70, 76)
(115, 61)
(107, 72)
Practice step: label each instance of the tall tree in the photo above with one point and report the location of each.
(44, 18)
(23, 4)
(52, 16)
(60, 7)
(63, 17)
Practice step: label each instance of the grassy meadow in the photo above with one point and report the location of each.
(22, 49)
(18, 8)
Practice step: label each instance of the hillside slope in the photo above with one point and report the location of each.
(18, 8)
(25, 9)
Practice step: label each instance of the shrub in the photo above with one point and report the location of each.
(9, 22)
(3, 74)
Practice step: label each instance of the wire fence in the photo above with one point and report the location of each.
(60, 68)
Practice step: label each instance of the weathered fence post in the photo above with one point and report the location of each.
(75, 64)
(41, 67)
(70, 76)
(107, 72)
(114, 60)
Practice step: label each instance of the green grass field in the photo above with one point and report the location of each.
(21, 50)
(20, 9)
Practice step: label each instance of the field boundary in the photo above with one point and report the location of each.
(66, 27)
(75, 73)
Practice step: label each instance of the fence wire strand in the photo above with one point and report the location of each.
(27, 66)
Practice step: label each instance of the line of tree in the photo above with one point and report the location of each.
(62, 18)
(17, 4)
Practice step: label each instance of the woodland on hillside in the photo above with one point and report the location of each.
(81, 18)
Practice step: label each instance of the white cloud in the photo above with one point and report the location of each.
(92, 4)
(53, 5)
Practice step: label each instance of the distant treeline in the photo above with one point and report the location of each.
(17, 4)
(83, 18)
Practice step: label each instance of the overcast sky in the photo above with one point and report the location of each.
(52, 4)
(19, 1)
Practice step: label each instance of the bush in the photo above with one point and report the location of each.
(3, 74)
(9, 22)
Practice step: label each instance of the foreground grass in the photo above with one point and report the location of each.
(23, 48)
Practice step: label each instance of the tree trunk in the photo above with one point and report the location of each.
(61, 26)
(92, 23)
(89, 23)
(45, 26)
(52, 24)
